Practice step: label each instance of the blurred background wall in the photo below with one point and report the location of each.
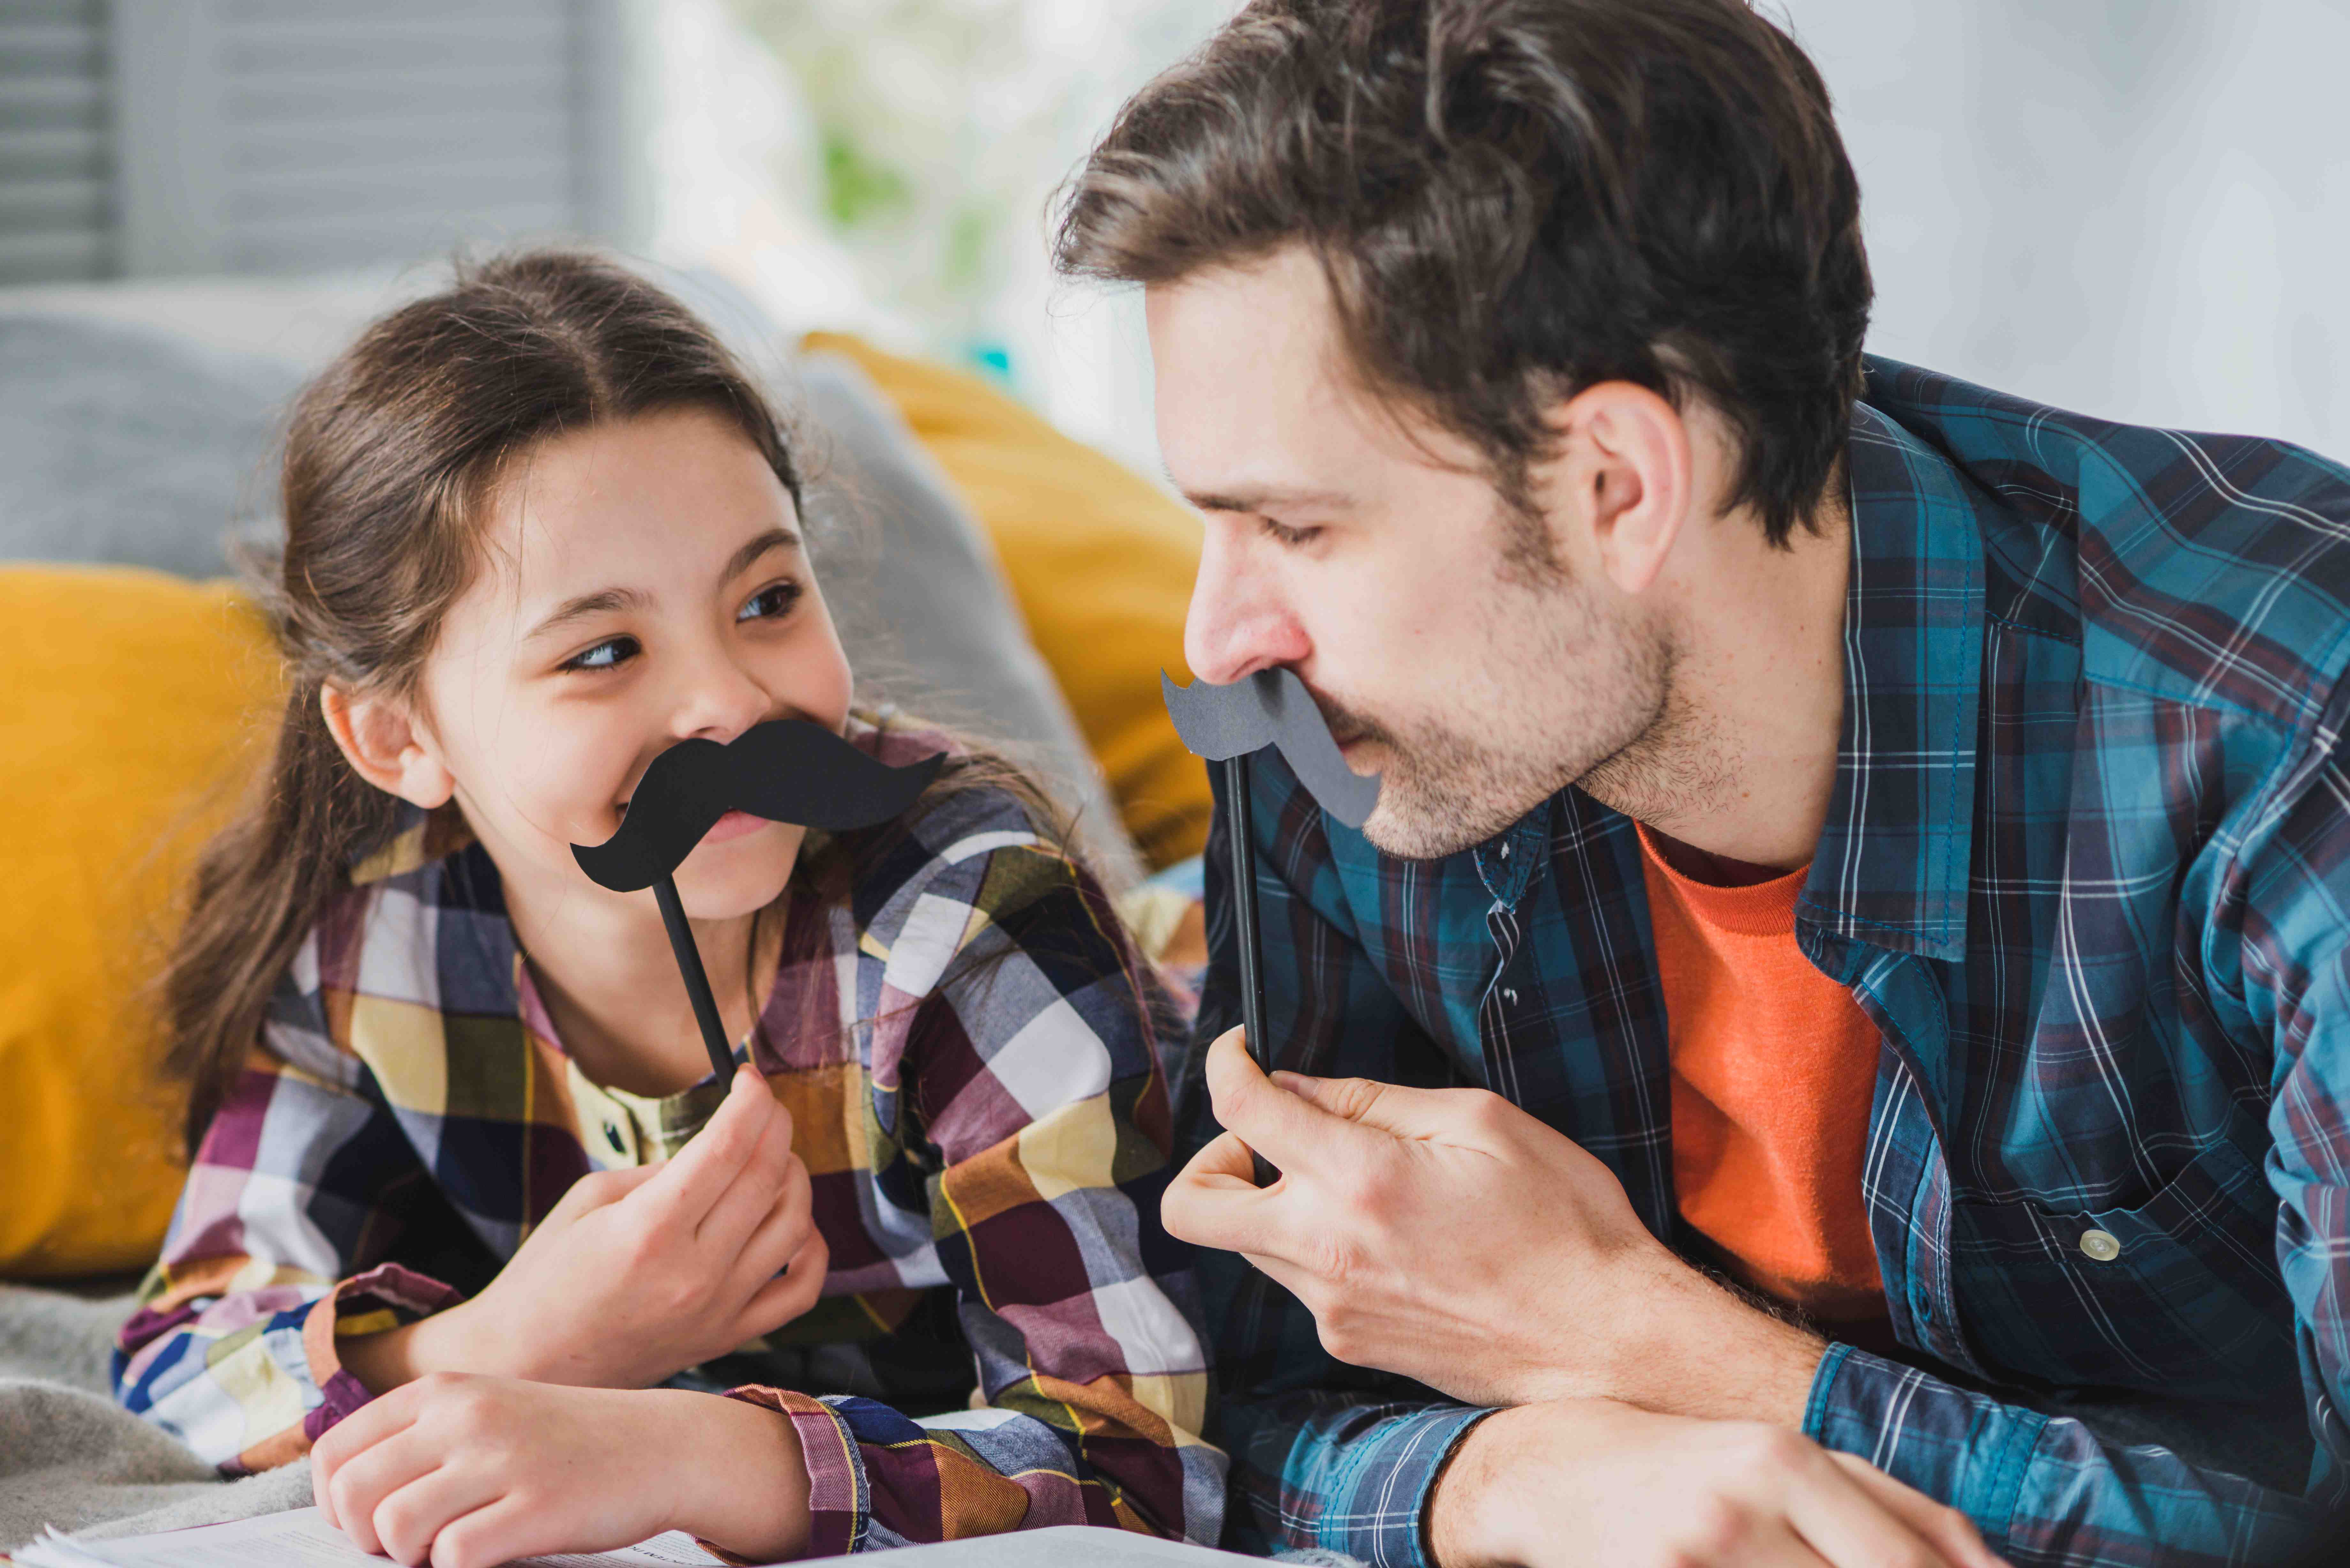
(2140, 208)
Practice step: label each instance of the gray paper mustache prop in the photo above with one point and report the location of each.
(1271, 708)
(1227, 725)
(785, 770)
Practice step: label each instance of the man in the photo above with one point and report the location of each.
(1836, 1030)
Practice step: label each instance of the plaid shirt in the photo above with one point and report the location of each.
(1007, 1337)
(2086, 868)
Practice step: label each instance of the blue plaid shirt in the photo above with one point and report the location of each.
(2086, 868)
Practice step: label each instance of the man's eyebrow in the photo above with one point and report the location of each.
(604, 600)
(1269, 498)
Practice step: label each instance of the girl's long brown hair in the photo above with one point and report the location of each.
(389, 456)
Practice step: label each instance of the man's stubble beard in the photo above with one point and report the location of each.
(1586, 697)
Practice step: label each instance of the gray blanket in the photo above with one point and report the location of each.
(70, 1457)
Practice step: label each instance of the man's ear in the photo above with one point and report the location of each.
(1629, 469)
(386, 747)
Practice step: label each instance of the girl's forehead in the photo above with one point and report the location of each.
(659, 497)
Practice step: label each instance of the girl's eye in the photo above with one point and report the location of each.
(769, 602)
(605, 655)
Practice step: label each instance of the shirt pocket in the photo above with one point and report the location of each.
(2178, 1294)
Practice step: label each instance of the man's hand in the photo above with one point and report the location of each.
(471, 1471)
(637, 1274)
(1598, 1483)
(1446, 1235)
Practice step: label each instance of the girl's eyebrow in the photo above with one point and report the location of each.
(606, 600)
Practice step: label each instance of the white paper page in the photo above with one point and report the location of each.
(303, 1538)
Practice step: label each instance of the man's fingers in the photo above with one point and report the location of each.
(1950, 1532)
(1291, 1132)
(1847, 1524)
(1396, 1108)
(1214, 1202)
(703, 1170)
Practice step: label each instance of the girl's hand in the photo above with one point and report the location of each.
(638, 1274)
(466, 1471)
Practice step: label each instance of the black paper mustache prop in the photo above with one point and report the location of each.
(785, 770)
(1226, 724)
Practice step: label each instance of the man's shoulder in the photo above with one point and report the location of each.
(2208, 569)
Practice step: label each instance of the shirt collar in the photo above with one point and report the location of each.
(1892, 865)
(419, 839)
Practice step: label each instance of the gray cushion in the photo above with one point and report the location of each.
(924, 608)
(138, 426)
(120, 444)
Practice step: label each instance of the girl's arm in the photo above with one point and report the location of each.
(293, 1202)
(1012, 1057)
(472, 1471)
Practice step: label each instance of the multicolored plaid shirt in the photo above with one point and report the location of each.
(2087, 867)
(1007, 1337)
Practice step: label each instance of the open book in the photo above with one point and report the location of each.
(303, 1538)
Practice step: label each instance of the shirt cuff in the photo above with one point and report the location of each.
(385, 1297)
(1959, 1448)
(1375, 1506)
(839, 1502)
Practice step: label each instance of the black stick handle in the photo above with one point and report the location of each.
(697, 982)
(1244, 850)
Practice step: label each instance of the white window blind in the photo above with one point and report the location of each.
(55, 214)
(153, 136)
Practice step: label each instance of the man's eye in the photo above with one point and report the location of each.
(1280, 533)
(605, 655)
(770, 602)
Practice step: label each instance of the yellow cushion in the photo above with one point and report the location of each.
(135, 699)
(1101, 562)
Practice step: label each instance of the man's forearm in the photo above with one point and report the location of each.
(1706, 1353)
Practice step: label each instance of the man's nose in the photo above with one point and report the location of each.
(1238, 622)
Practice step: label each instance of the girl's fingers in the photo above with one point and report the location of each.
(757, 1188)
(789, 1294)
(411, 1519)
(358, 1433)
(781, 1230)
(699, 1174)
(498, 1533)
(361, 1484)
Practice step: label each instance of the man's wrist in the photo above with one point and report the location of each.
(1704, 1352)
(1462, 1530)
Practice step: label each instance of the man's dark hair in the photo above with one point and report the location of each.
(1514, 200)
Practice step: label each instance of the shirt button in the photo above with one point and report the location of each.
(1506, 849)
(2101, 1245)
(1509, 996)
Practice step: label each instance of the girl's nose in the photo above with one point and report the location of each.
(1238, 621)
(720, 700)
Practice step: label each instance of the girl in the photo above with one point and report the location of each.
(444, 1230)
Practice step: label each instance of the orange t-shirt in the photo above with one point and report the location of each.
(1773, 1065)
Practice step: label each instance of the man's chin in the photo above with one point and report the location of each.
(1408, 829)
